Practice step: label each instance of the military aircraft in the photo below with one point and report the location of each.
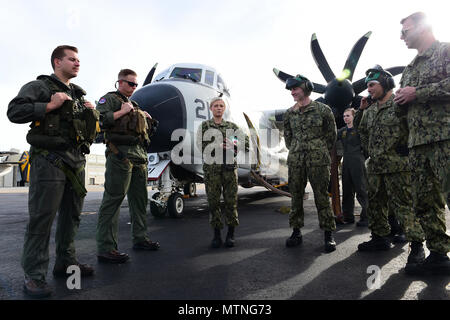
(10, 158)
(339, 93)
(178, 98)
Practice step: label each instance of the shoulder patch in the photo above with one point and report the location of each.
(102, 101)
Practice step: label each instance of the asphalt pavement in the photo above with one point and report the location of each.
(258, 268)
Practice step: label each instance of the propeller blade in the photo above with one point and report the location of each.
(354, 55)
(255, 139)
(319, 88)
(320, 60)
(396, 70)
(150, 75)
(360, 85)
(281, 75)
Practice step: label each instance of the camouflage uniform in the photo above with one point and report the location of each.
(384, 135)
(122, 178)
(309, 135)
(221, 176)
(50, 190)
(429, 140)
(354, 173)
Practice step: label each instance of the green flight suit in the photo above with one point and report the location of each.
(220, 169)
(126, 175)
(310, 135)
(429, 140)
(384, 136)
(50, 190)
(354, 173)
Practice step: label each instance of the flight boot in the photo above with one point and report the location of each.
(330, 244)
(36, 288)
(229, 241)
(295, 239)
(416, 255)
(434, 264)
(60, 269)
(217, 240)
(377, 243)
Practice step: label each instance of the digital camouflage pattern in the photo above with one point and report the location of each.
(429, 139)
(429, 115)
(392, 193)
(123, 177)
(309, 136)
(384, 134)
(221, 173)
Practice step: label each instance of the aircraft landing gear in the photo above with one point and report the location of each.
(157, 210)
(190, 189)
(175, 205)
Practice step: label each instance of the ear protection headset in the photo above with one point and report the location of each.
(385, 78)
(297, 81)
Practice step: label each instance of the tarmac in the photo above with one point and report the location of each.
(258, 268)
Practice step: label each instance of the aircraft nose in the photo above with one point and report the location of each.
(166, 104)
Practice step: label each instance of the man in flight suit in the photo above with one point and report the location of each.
(57, 111)
(127, 131)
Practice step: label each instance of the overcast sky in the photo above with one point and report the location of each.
(242, 39)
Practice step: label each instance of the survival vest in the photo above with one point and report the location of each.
(71, 125)
(133, 128)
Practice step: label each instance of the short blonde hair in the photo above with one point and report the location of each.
(214, 100)
(351, 110)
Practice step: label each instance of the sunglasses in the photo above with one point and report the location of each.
(130, 83)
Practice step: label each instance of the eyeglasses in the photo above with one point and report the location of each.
(404, 33)
(130, 83)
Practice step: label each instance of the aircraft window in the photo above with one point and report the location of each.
(187, 73)
(161, 75)
(209, 77)
(221, 84)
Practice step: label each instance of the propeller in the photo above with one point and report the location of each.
(150, 75)
(339, 93)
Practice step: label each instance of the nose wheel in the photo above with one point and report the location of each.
(157, 210)
(190, 189)
(175, 205)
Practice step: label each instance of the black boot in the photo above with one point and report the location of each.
(377, 243)
(417, 254)
(363, 220)
(217, 240)
(229, 241)
(295, 239)
(330, 244)
(434, 264)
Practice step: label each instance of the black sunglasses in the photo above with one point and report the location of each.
(130, 83)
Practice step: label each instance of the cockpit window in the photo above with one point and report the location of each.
(209, 77)
(187, 73)
(161, 75)
(221, 84)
